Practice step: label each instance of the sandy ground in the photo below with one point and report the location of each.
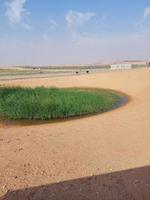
(103, 157)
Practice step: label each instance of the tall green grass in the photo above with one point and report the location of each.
(51, 103)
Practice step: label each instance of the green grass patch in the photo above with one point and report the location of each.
(52, 103)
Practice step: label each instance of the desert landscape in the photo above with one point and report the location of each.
(100, 157)
(74, 100)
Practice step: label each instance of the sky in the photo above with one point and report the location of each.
(63, 32)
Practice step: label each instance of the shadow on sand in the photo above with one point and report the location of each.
(133, 184)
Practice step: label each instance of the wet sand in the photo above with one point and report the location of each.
(102, 157)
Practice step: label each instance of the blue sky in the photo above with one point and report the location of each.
(45, 32)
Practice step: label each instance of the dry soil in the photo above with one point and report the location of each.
(102, 157)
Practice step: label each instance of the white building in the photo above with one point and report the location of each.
(121, 66)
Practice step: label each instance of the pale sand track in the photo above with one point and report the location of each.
(89, 147)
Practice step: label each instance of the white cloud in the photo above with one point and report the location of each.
(52, 24)
(15, 12)
(76, 19)
(144, 23)
(147, 12)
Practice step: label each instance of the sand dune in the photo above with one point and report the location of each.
(103, 157)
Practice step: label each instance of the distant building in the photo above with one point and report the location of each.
(129, 65)
(121, 66)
